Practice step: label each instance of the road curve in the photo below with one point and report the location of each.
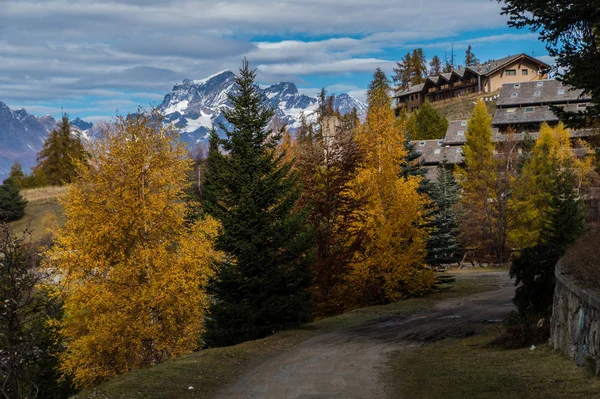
(348, 364)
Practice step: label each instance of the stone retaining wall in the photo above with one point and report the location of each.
(576, 321)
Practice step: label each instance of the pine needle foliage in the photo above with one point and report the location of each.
(263, 284)
(62, 150)
(12, 203)
(443, 247)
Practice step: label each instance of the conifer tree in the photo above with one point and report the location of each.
(435, 66)
(16, 174)
(402, 74)
(470, 59)
(12, 203)
(327, 162)
(484, 202)
(563, 223)
(27, 348)
(386, 231)
(442, 245)
(263, 284)
(551, 152)
(418, 67)
(428, 123)
(135, 273)
(60, 153)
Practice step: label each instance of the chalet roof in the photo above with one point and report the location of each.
(434, 79)
(549, 91)
(415, 89)
(453, 135)
(446, 76)
(494, 65)
(530, 114)
(434, 152)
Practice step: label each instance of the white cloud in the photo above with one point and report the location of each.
(64, 50)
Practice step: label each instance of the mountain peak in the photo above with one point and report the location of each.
(223, 75)
(282, 88)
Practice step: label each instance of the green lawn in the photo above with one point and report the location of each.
(209, 370)
(468, 369)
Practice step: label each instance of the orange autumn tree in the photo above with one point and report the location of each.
(134, 274)
(388, 263)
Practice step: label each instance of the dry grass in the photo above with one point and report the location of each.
(469, 369)
(463, 109)
(42, 204)
(44, 193)
(582, 260)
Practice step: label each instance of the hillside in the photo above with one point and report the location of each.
(41, 204)
(462, 109)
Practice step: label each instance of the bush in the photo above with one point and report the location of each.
(582, 260)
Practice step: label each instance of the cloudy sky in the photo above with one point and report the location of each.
(94, 57)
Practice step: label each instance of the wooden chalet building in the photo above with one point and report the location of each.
(484, 78)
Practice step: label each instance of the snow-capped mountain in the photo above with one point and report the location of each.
(21, 137)
(195, 106)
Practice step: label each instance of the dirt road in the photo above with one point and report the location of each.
(348, 364)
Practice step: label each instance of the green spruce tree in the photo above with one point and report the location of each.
(470, 59)
(57, 158)
(262, 286)
(12, 204)
(442, 246)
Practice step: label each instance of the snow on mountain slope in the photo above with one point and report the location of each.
(196, 106)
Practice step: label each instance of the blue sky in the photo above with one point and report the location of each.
(94, 57)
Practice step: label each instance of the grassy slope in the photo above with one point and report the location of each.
(209, 370)
(462, 109)
(468, 369)
(41, 202)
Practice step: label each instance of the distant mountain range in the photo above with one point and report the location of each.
(195, 106)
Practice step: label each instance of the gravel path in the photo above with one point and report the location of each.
(348, 364)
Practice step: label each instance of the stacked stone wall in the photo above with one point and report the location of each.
(576, 321)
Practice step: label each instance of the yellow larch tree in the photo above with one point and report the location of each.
(388, 260)
(553, 151)
(486, 182)
(133, 272)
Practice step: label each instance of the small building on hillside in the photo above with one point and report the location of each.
(484, 78)
(522, 107)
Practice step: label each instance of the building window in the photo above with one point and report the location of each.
(513, 95)
(511, 72)
(581, 105)
(524, 71)
(529, 109)
(437, 151)
(537, 94)
(561, 91)
(461, 133)
(511, 110)
(517, 85)
(422, 143)
(459, 150)
(463, 123)
(440, 142)
(540, 83)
